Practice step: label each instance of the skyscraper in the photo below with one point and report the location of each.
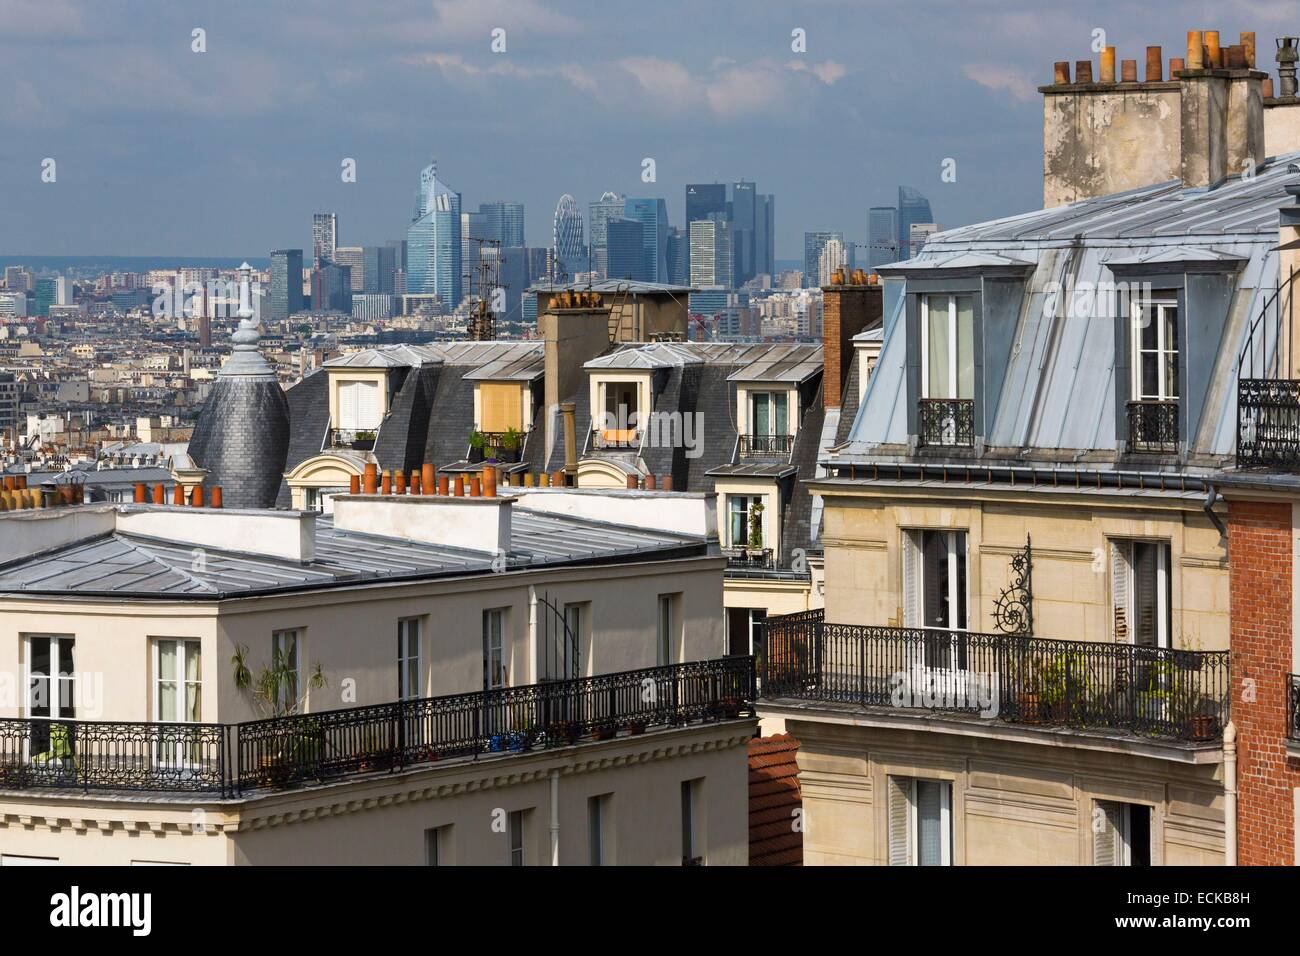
(354, 258)
(882, 236)
(609, 206)
(521, 266)
(679, 256)
(324, 235)
(433, 246)
(812, 252)
(286, 284)
(568, 254)
(704, 200)
(833, 256)
(912, 208)
(653, 216)
(473, 226)
(712, 257)
(626, 250)
(744, 214)
(504, 222)
(765, 235)
(379, 263)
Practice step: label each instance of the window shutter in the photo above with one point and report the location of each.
(348, 405)
(900, 821)
(367, 405)
(1120, 600)
(1106, 848)
(499, 407)
(911, 580)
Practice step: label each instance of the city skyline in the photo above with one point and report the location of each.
(250, 158)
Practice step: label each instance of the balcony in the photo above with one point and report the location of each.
(766, 446)
(946, 423)
(493, 447)
(750, 559)
(1153, 427)
(351, 438)
(1268, 423)
(1293, 708)
(616, 439)
(305, 749)
(1148, 692)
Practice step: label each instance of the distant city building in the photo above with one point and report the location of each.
(331, 288)
(520, 268)
(473, 231)
(653, 216)
(354, 258)
(433, 241)
(609, 206)
(679, 256)
(912, 208)
(918, 232)
(626, 251)
(13, 304)
(705, 200)
(372, 307)
(745, 217)
(568, 254)
(834, 255)
(45, 293)
(324, 235)
(504, 222)
(813, 242)
(8, 403)
(379, 264)
(711, 253)
(18, 279)
(882, 236)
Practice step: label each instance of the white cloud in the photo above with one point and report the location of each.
(1003, 79)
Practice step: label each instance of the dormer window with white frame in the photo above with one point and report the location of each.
(1154, 388)
(947, 401)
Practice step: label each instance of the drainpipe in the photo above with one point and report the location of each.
(1212, 495)
(555, 818)
(1230, 793)
(533, 650)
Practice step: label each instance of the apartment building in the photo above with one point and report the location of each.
(1049, 565)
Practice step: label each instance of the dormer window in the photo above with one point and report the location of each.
(947, 407)
(1153, 399)
(360, 411)
(769, 424)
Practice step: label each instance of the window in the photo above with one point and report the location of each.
(494, 661)
(358, 406)
(935, 592)
(178, 689)
(947, 346)
(1140, 592)
(286, 653)
(562, 641)
(692, 851)
(500, 408)
(516, 828)
(408, 658)
(767, 414)
(741, 515)
(745, 629)
(920, 822)
(597, 820)
(1121, 834)
(51, 679)
(1155, 350)
(665, 637)
(437, 846)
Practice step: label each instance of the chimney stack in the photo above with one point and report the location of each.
(846, 310)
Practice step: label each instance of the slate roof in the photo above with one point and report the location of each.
(774, 802)
(136, 566)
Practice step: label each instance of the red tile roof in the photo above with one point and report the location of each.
(775, 832)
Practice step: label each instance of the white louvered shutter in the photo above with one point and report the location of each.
(367, 405)
(912, 616)
(348, 405)
(1107, 845)
(1121, 599)
(900, 821)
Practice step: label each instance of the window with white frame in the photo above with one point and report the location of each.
(286, 656)
(1140, 592)
(665, 629)
(178, 681)
(516, 823)
(1154, 330)
(494, 656)
(51, 676)
(1121, 834)
(692, 845)
(947, 346)
(358, 406)
(597, 823)
(408, 658)
(437, 846)
(744, 516)
(920, 822)
(768, 414)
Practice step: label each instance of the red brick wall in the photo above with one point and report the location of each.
(846, 311)
(1260, 565)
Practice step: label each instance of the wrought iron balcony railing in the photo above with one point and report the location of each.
(766, 446)
(1153, 426)
(946, 422)
(353, 438)
(494, 447)
(1268, 423)
(1293, 707)
(303, 749)
(1154, 692)
(756, 559)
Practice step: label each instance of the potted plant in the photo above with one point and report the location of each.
(274, 693)
(603, 730)
(511, 440)
(363, 441)
(477, 443)
(756, 526)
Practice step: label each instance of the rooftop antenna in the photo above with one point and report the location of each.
(487, 273)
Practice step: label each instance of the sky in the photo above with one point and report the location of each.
(161, 150)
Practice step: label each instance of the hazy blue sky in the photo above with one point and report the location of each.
(164, 151)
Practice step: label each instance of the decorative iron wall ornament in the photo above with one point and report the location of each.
(1013, 611)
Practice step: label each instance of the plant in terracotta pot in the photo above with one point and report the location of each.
(274, 692)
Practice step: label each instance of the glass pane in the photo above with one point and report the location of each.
(167, 660)
(936, 357)
(1170, 316)
(192, 692)
(192, 660)
(1171, 375)
(762, 419)
(1149, 378)
(929, 823)
(167, 700)
(965, 347)
(65, 656)
(782, 416)
(1148, 328)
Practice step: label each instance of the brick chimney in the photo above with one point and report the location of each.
(1203, 123)
(851, 304)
